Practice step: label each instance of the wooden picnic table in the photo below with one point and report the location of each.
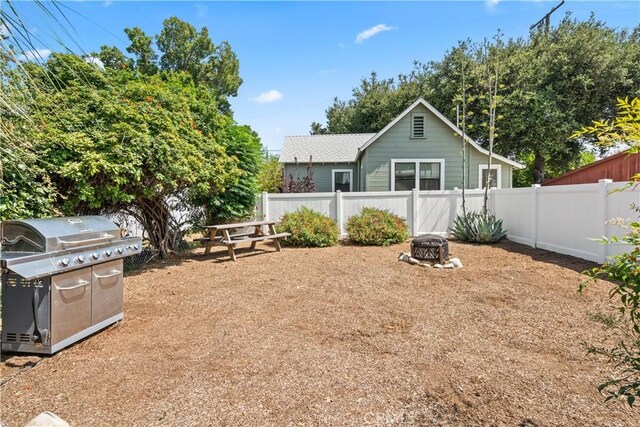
(221, 235)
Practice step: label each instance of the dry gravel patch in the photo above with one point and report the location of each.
(337, 336)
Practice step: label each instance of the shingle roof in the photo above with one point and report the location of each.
(323, 148)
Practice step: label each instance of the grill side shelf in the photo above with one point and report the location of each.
(45, 264)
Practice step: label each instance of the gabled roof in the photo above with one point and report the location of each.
(439, 115)
(324, 148)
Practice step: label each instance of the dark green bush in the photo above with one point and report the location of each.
(377, 227)
(478, 228)
(309, 228)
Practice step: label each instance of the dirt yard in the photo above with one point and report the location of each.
(331, 337)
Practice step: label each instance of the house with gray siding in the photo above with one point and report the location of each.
(419, 149)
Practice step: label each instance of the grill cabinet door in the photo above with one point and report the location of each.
(70, 304)
(107, 290)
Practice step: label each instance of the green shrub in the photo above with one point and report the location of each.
(309, 228)
(478, 228)
(377, 227)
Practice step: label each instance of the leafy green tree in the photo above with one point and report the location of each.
(112, 57)
(131, 138)
(128, 142)
(142, 50)
(624, 269)
(181, 47)
(25, 187)
(271, 175)
(239, 198)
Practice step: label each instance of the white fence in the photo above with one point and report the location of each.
(561, 219)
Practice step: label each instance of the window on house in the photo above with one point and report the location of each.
(420, 174)
(342, 180)
(417, 125)
(405, 176)
(494, 176)
(430, 176)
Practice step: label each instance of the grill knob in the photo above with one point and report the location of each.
(119, 250)
(64, 262)
(108, 252)
(135, 247)
(95, 255)
(80, 259)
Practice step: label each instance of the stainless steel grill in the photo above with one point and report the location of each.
(61, 280)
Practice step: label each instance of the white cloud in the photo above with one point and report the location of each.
(94, 60)
(35, 55)
(370, 32)
(201, 11)
(491, 3)
(267, 97)
(107, 3)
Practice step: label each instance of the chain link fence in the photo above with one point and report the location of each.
(130, 227)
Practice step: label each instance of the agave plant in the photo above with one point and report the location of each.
(478, 228)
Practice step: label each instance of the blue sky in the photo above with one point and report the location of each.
(295, 57)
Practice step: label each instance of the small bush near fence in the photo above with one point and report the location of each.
(478, 228)
(377, 227)
(309, 228)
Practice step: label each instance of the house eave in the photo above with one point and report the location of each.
(447, 122)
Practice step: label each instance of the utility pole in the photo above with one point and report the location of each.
(546, 19)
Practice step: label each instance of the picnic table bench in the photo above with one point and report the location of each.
(220, 235)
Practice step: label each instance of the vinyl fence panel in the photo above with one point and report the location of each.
(565, 219)
(620, 206)
(570, 218)
(516, 208)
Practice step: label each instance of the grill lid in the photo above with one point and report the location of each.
(53, 234)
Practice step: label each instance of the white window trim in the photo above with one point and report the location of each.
(424, 124)
(417, 171)
(333, 178)
(484, 167)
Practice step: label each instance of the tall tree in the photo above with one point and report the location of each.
(554, 82)
(142, 49)
(129, 143)
(112, 57)
(183, 48)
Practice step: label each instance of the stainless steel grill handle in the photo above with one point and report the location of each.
(74, 243)
(81, 284)
(106, 276)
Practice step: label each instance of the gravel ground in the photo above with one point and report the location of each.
(337, 336)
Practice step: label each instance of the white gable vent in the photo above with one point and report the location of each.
(417, 125)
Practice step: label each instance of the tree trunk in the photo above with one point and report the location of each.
(538, 168)
(163, 232)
